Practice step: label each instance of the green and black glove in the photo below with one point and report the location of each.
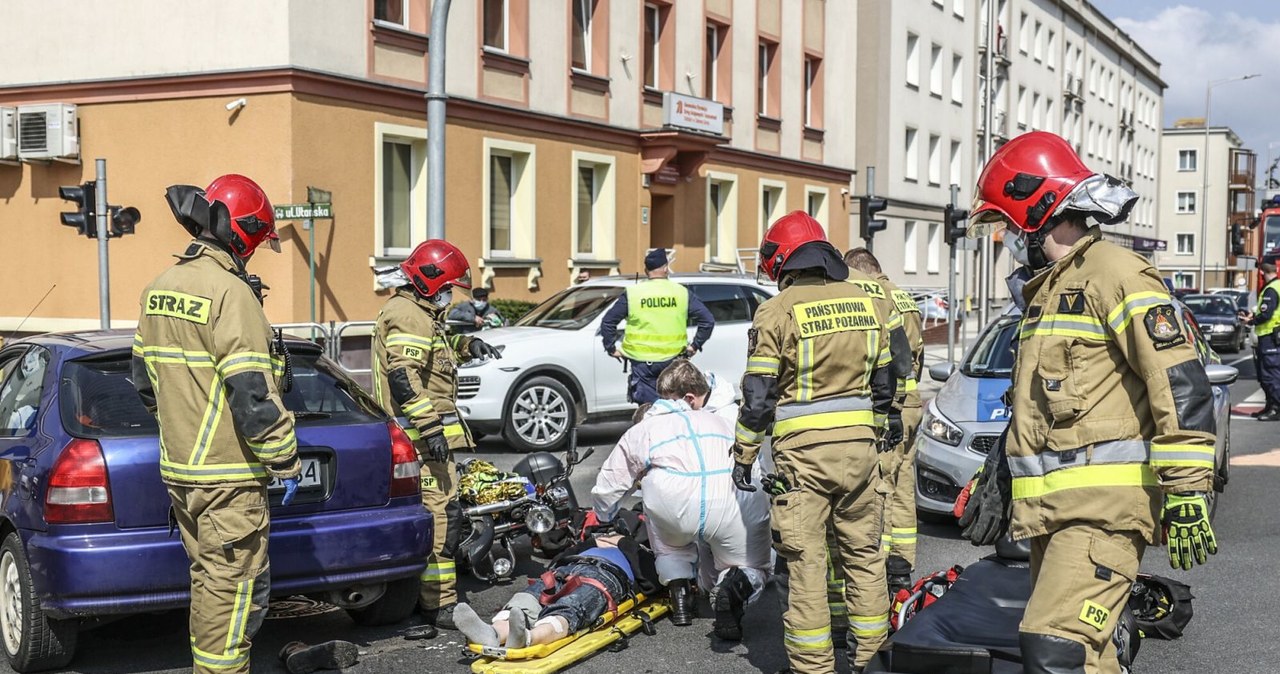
(1187, 531)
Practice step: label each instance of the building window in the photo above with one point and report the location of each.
(935, 160)
(934, 252)
(773, 204)
(1038, 46)
(1051, 55)
(710, 61)
(957, 7)
(1049, 115)
(1186, 244)
(955, 164)
(652, 40)
(911, 168)
(764, 87)
(815, 204)
(1022, 107)
(391, 11)
(1024, 35)
(594, 206)
(722, 218)
(1036, 119)
(1184, 279)
(401, 185)
(1186, 202)
(582, 11)
(495, 24)
(935, 70)
(509, 212)
(913, 60)
(911, 250)
(957, 79)
(1187, 160)
(813, 92)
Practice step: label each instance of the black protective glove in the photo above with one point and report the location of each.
(437, 447)
(892, 437)
(742, 476)
(986, 515)
(480, 349)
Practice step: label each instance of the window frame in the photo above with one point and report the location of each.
(911, 247)
(1195, 159)
(933, 248)
(767, 84)
(934, 158)
(604, 206)
(523, 198)
(506, 27)
(725, 222)
(913, 60)
(911, 152)
(15, 358)
(404, 13)
(813, 91)
(1189, 238)
(588, 19)
(777, 209)
(1191, 204)
(710, 60)
(652, 50)
(823, 215)
(416, 138)
(957, 78)
(935, 69)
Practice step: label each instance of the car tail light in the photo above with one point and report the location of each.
(79, 492)
(405, 466)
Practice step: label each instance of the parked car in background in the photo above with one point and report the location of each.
(554, 372)
(85, 517)
(1219, 319)
(1246, 300)
(961, 424)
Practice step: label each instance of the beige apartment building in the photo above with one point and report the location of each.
(580, 133)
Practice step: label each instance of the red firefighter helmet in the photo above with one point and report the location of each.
(434, 264)
(253, 221)
(1026, 181)
(783, 238)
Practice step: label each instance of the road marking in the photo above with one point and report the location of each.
(1241, 359)
(1271, 458)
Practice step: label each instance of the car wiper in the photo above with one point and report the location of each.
(308, 414)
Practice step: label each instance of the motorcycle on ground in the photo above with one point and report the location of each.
(536, 499)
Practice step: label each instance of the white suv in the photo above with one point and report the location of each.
(554, 372)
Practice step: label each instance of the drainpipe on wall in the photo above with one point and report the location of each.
(436, 97)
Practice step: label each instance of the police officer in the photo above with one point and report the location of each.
(1264, 323)
(416, 377)
(899, 537)
(658, 312)
(1113, 422)
(203, 361)
(819, 370)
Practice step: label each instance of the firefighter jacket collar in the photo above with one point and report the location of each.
(1033, 285)
(200, 248)
(408, 293)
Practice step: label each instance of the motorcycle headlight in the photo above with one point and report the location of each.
(540, 519)
(939, 428)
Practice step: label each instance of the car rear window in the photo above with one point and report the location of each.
(727, 302)
(994, 354)
(98, 398)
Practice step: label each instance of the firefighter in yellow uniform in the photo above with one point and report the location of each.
(1112, 433)
(416, 377)
(203, 361)
(899, 537)
(819, 371)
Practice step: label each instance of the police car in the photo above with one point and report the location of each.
(554, 372)
(962, 422)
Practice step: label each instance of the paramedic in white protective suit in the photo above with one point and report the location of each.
(680, 454)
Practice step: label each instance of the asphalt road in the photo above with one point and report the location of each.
(1236, 626)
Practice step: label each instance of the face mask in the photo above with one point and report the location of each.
(1016, 243)
(443, 298)
(479, 304)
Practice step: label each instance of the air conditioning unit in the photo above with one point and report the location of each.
(48, 132)
(8, 135)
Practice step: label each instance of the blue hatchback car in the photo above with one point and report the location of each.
(84, 517)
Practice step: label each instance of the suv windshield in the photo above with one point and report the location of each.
(1209, 305)
(571, 309)
(98, 399)
(994, 353)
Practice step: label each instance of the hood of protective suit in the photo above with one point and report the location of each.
(723, 401)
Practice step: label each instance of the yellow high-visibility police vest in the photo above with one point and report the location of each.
(657, 321)
(1269, 326)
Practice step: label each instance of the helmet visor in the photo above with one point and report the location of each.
(984, 220)
(463, 281)
(273, 242)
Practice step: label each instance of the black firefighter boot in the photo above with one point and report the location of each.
(732, 593)
(682, 597)
(898, 574)
(299, 658)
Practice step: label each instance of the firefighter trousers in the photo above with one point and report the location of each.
(1081, 576)
(224, 531)
(439, 495)
(899, 536)
(837, 483)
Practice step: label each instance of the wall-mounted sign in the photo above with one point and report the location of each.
(688, 112)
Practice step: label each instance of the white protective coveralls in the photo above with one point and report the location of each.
(683, 462)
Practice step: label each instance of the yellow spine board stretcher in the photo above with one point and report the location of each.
(557, 655)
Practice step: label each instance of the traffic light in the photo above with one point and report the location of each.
(869, 224)
(85, 198)
(123, 220)
(1237, 239)
(955, 220)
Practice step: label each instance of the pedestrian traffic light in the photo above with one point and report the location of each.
(869, 223)
(83, 218)
(123, 220)
(1237, 239)
(955, 224)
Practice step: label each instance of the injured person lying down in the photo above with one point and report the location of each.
(580, 585)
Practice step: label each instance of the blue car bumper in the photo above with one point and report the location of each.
(82, 571)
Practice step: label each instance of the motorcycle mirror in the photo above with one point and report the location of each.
(586, 454)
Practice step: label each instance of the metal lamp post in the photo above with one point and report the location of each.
(1204, 166)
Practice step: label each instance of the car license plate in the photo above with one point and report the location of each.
(310, 476)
